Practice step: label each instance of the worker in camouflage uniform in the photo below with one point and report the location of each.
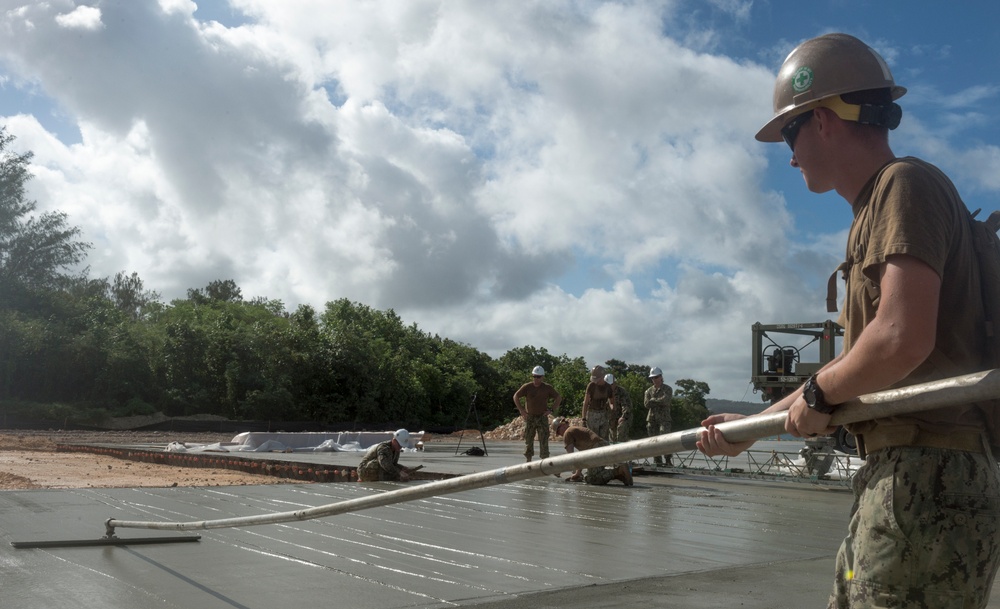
(381, 462)
(598, 403)
(535, 412)
(621, 416)
(657, 401)
(924, 529)
(581, 438)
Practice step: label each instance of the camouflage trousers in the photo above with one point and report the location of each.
(924, 532)
(536, 424)
(599, 423)
(373, 472)
(658, 423)
(620, 431)
(599, 475)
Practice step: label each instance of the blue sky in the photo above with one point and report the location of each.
(579, 176)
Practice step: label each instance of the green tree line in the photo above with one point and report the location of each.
(82, 349)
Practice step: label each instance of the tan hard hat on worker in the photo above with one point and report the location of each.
(819, 71)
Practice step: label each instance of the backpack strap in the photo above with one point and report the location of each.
(831, 288)
(986, 247)
(993, 222)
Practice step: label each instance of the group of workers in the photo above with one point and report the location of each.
(606, 418)
(925, 527)
(605, 402)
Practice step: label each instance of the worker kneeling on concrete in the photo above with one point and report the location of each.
(581, 438)
(381, 462)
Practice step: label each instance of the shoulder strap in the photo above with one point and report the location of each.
(831, 288)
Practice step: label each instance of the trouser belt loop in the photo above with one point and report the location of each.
(860, 440)
(989, 450)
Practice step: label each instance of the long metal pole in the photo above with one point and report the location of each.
(975, 387)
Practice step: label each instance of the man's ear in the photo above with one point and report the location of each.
(823, 113)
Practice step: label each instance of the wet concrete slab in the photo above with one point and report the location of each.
(671, 541)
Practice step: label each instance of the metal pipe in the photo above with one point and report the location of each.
(977, 387)
(104, 541)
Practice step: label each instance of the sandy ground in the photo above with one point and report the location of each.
(28, 459)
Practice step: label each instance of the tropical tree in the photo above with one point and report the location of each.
(36, 251)
(128, 294)
(221, 290)
(570, 377)
(689, 407)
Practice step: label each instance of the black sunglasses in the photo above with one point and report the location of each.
(791, 130)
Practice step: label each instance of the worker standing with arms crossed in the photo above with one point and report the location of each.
(657, 400)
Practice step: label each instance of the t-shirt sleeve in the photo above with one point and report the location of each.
(916, 219)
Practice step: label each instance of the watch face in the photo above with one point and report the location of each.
(813, 396)
(809, 393)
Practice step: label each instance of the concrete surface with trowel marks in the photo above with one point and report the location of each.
(671, 540)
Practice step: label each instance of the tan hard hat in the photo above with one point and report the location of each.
(822, 68)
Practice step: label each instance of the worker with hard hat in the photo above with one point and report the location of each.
(621, 413)
(924, 531)
(536, 396)
(657, 400)
(598, 404)
(581, 438)
(381, 461)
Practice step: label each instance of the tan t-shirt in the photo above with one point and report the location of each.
(910, 207)
(536, 399)
(581, 438)
(599, 397)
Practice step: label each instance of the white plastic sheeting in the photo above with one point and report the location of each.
(338, 441)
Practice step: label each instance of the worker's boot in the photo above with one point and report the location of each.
(658, 461)
(669, 460)
(622, 473)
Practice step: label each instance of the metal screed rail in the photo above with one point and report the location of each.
(977, 387)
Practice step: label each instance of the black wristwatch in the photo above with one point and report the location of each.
(814, 398)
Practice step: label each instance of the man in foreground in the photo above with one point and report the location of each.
(924, 528)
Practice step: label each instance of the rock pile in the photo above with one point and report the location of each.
(515, 430)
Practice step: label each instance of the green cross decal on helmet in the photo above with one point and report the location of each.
(803, 79)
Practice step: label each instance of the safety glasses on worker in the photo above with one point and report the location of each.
(791, 129)
(886, 115)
